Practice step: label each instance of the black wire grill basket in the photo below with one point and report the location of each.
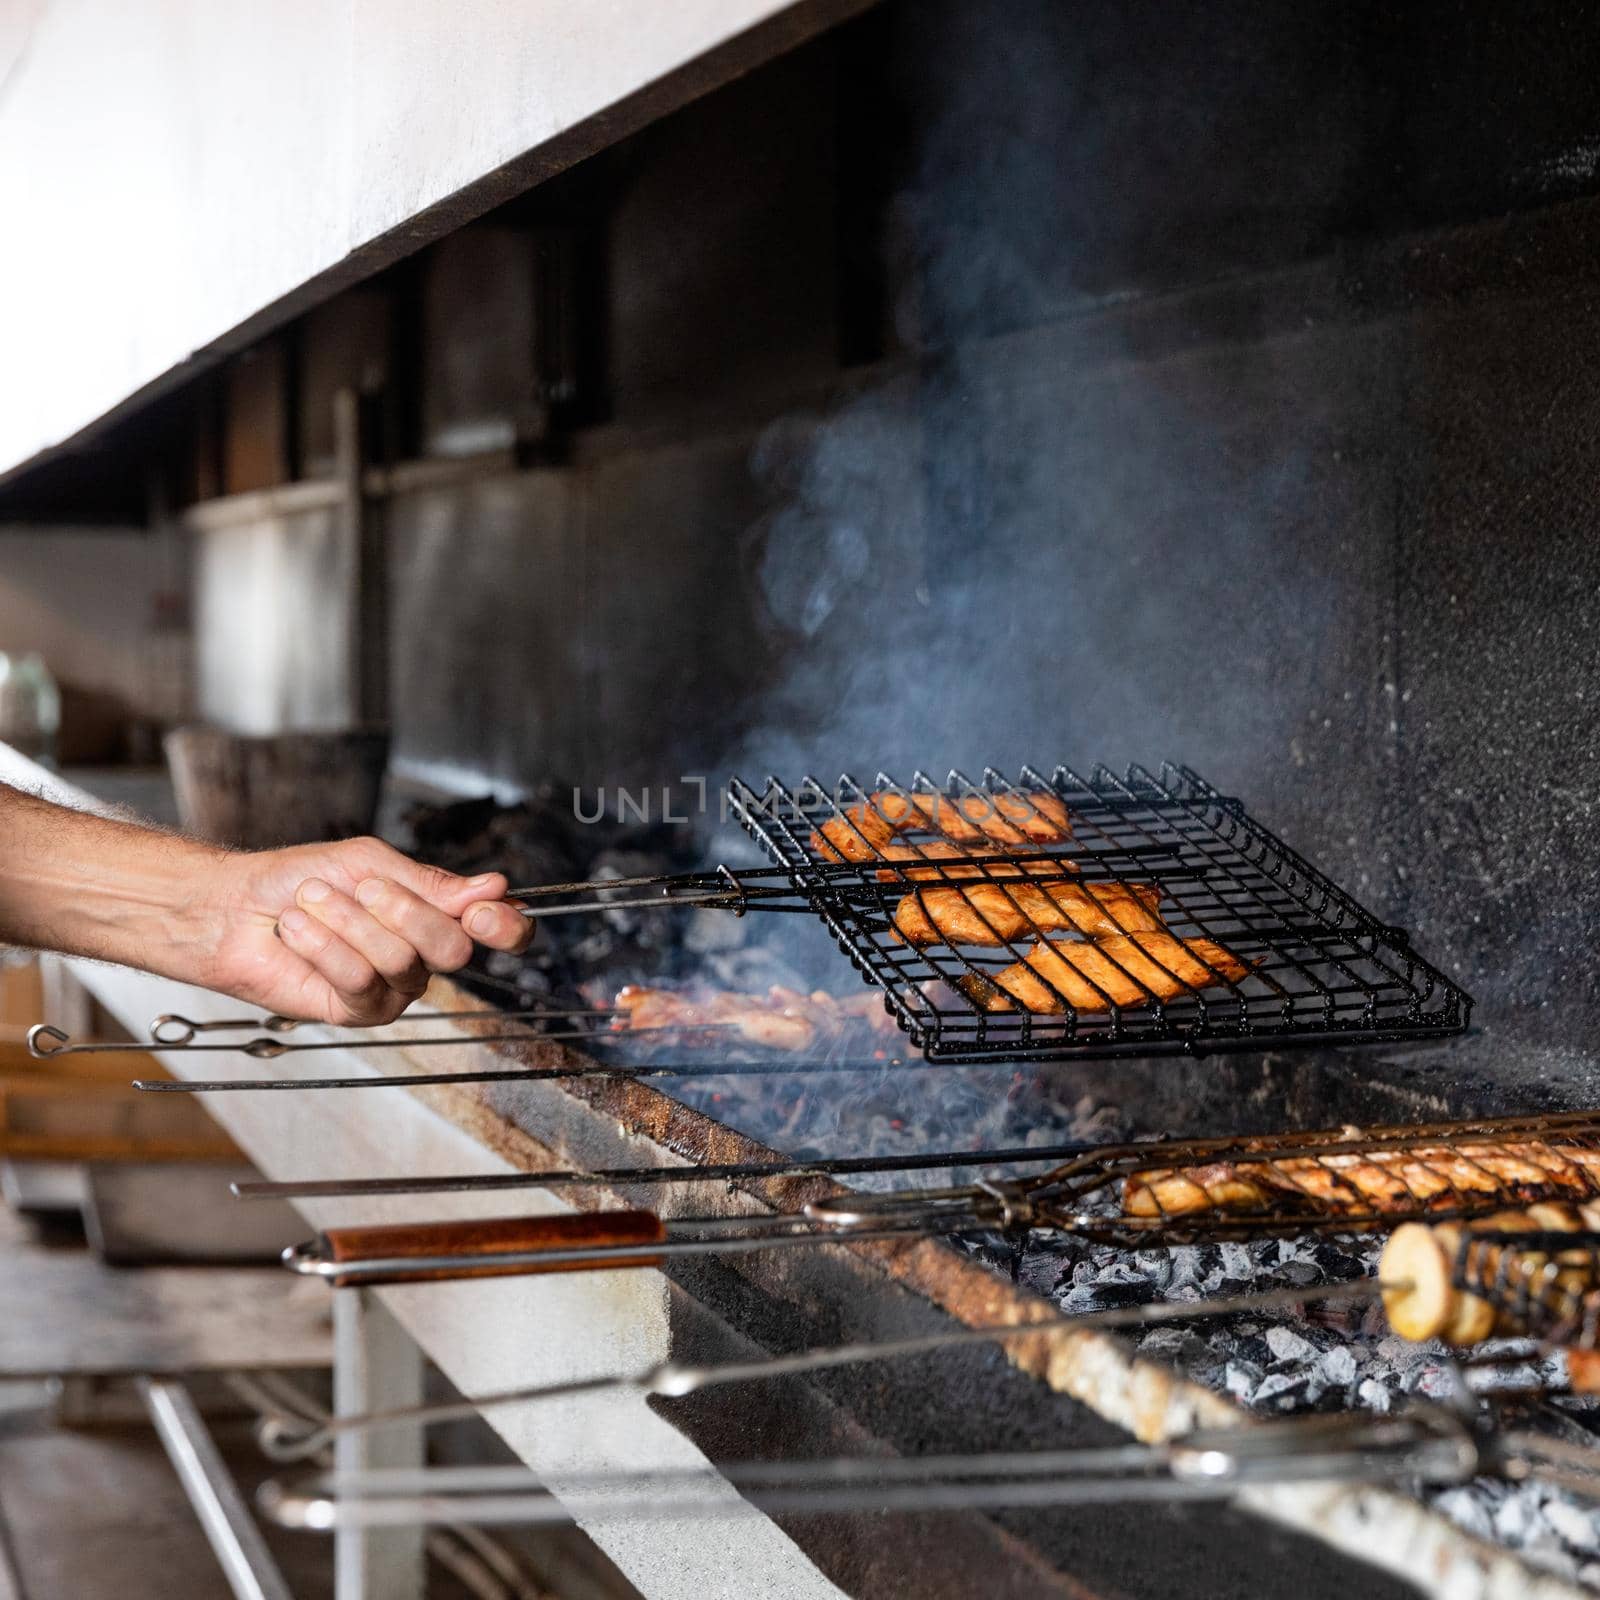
(1068, 916)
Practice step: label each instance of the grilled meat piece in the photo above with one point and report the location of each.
(1130, 969)
(1431, 1177)
(781, 1019)
(861, 832)
(995, 914)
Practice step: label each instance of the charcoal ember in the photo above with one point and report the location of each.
(1514, 1518)
(529, 842)
(1401, 1355)
(1156, 1267)
(644, 925)
(1097, 1123)
(601, 944)
(527, 862)
(620, 863)
(1241, 1379)
(1337, 1367)
(1436, 1382)
(1374, 1395)
(1469, 1510)
(1287, 1345)
(1577, 1526)
(1277, 1387)
(1237, 1264)
(1173, 1346)
(441, 829)
(1299, 1273)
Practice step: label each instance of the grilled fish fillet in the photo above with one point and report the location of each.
(1436, 1177)
(860, 832)
(995, 914)
(1128, 970)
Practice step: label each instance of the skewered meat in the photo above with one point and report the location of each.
(861, 832)
(1435, 1177)
(781, 1019)
(1127, 970)
(994, 914)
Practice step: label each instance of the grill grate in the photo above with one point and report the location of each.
(1316, 965)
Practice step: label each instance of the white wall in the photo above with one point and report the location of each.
(169, 168)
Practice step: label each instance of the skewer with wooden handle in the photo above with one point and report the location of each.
(588, 1241)
(424, 1252)
(1427, 1301)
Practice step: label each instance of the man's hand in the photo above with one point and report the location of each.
(344, 933)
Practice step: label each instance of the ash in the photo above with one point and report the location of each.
(1332, 1356)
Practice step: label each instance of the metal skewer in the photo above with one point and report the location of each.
(729, 1172)
(585, 1069)
(1427, 1443)
(288, 1438)
(770, 888)
(172, 1031)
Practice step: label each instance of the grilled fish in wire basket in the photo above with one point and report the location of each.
(1169, 919)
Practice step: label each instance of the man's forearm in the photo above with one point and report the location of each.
(90, 886)
(346, 932)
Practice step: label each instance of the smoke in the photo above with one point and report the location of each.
(1017, 546)
(1043, 533)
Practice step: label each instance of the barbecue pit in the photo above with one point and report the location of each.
(973, 382)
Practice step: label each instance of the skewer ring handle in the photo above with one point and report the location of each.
(173, 1031)
(46, 1040)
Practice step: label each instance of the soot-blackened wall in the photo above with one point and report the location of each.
(1026, 382)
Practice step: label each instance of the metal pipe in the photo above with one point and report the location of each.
(289, 1436)
(248, 1565)
(1429, 1443)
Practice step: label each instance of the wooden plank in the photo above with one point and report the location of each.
(67, 1314)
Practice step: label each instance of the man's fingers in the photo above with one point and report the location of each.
(498, 924)
(441, 889)
(359, 989)
(392, 956)
(434, 935)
